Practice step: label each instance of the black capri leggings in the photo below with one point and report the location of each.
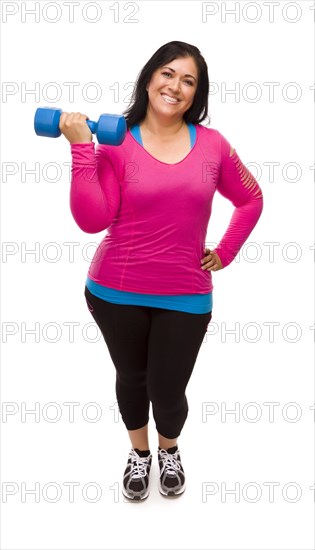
(154, 351)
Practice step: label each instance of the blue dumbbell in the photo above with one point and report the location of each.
(110, 129)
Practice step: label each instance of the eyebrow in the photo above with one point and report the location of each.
(170, 68)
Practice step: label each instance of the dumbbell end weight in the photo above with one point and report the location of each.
(111, 129)
(46, 122)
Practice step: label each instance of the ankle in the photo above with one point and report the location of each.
(167, 444)
(143, 453)
(172, 449)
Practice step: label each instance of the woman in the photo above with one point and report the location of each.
(149, 285)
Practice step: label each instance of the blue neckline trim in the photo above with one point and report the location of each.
(135, 130)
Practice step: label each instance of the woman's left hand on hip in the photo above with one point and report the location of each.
(211, 261)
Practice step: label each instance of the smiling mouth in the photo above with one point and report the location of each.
(169, 100)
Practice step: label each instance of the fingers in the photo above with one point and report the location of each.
(62, 120)
(66, 119)
(211, 261)
(212, 265)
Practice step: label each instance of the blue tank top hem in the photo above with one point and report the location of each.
(190, 303)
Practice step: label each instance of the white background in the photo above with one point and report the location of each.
(244, 51)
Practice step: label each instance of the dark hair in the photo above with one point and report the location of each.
(198, 111)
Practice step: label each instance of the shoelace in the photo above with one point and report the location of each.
(170, 461)
(139, 464)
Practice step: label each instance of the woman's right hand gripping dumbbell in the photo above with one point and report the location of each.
(74, 127)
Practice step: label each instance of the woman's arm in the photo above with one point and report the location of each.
(95, 189)
(237, 184)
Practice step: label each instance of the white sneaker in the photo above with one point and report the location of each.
(172, 475)
(136, 476)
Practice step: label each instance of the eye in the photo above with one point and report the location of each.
(169, 74)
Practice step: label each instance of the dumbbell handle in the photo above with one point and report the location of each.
(92, 125)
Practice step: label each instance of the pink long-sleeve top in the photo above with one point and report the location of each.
(156, 215)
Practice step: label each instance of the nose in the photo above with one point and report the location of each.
(174, 85)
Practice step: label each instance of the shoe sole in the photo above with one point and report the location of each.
(172, 493)
(135, 498)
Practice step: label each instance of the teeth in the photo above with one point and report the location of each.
(169, 99)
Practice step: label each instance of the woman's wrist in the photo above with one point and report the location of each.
(79, 142)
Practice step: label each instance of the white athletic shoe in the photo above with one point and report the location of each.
(136, 476)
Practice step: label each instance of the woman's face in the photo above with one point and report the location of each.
(172, 87)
